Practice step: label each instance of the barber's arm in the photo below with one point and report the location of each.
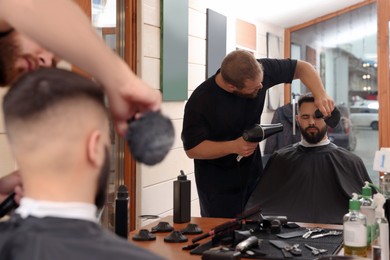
(213, 150)
(311, 79)
(63, 28)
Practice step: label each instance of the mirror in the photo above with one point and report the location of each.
(344, 51)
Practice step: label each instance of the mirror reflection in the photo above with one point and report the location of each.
(344, 51)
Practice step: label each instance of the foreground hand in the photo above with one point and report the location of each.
(131, 101)
(325, 104)
(11, 183)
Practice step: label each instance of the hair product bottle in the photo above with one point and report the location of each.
(181, 199)
(367, 208)
(122, 212)
(355, 230)
(380, 231)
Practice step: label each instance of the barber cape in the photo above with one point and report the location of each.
(309, 184)
(38, 232)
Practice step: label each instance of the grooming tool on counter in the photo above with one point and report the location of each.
(287, 250)
(311, 231)
(316, 251)
(229, 225)
(292, 234)
(330, 233)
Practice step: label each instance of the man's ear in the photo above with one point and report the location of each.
(231, 87)
(297, 119)
(95, 148)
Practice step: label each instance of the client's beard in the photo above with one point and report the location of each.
(314, 138)
(251, 95)
(101, 193)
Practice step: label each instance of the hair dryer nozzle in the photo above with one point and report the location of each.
(260, 132)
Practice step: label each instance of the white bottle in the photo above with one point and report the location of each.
(380, 231)
(368, 209)
(355, 230)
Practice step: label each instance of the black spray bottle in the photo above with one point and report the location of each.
(181, 199)
(122, 212)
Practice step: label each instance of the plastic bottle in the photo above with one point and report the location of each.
(355, 230)
(181, 199)
(122, 212)
(368, 209)
(385, 185)
(380, 231)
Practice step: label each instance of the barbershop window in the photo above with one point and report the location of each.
(344, 51)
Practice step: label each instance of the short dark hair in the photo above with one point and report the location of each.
(305, 98)
(35, 92)
(239, 66)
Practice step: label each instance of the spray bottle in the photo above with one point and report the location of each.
(355, 230)
(368, 209)
(380, 231)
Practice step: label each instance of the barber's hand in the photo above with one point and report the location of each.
(325, 104)
(11, 183)
(245, 148)
(130, 101)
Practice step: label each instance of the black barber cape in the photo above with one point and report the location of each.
(63, 239)
(309, 184)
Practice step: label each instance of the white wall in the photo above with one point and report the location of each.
(155, 184)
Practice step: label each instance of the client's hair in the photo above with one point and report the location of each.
(305, 98)
(35, 92)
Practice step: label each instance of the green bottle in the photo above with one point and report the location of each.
(368, 209)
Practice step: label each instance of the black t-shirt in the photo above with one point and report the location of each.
(212, 113)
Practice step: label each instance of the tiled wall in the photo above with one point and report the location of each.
(155, 193)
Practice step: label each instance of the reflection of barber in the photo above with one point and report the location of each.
(26, 26)
(218, 112)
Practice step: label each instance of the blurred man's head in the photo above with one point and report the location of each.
(20, 54)
(241, 70)
(313, 129)
(58, 131)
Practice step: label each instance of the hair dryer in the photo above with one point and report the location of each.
(260, 132)
(8, 204)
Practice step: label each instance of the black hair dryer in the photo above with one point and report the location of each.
(259, 133)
